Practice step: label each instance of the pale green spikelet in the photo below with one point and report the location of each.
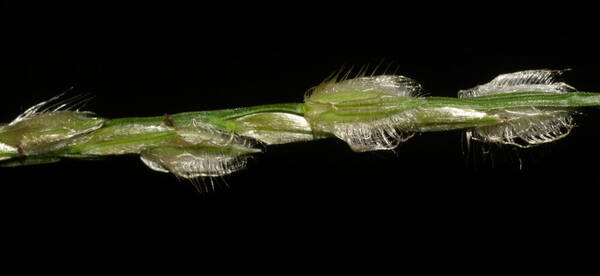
(524, 126)
(197, 161)
(365, 112)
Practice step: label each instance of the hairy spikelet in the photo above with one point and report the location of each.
(198, 161)
(380, 134)
(524, 127)
(531, 127)
(522, 81)
(201, 150)
(353, 110)
(390, 85)
(53, 105)
(48, 126)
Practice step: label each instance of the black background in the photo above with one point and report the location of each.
(141, 61)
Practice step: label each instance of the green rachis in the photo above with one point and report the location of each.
(369, 113)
